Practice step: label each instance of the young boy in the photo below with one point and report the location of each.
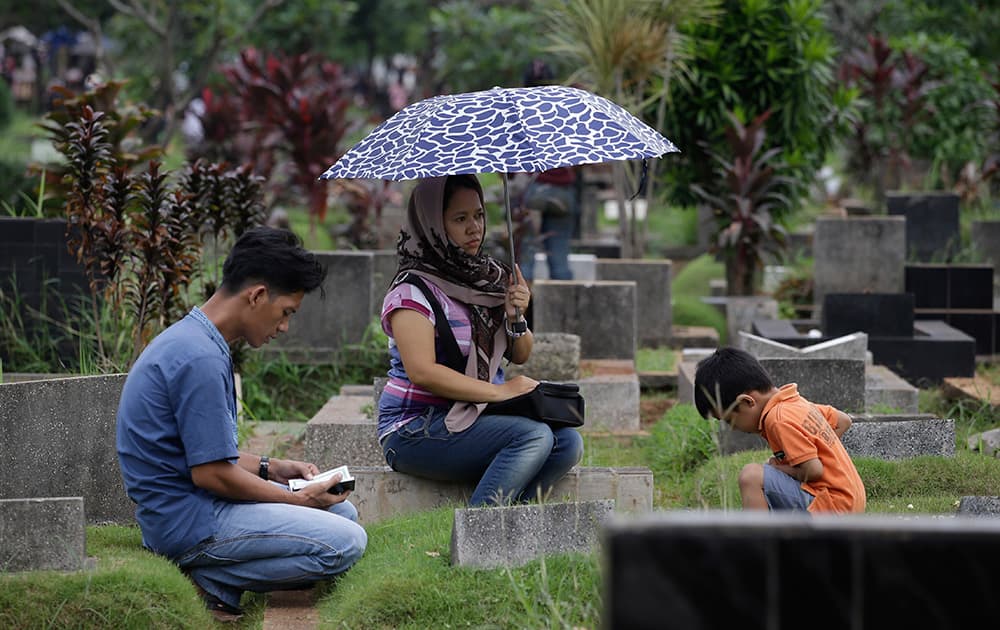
(810, 469)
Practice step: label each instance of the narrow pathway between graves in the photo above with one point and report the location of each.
(285, 610)
(291, 610)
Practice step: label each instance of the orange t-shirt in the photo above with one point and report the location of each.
(802, 431)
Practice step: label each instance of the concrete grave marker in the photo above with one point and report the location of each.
(514, 535)
(59, 440)
(603, 314)
(857, 255)
(42, 534)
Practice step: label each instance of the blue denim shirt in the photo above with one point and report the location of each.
(177, 410)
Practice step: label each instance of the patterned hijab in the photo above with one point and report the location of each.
(478, 281)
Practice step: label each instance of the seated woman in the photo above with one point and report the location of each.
(431, 421)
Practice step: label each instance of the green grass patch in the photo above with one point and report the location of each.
(693, 278)
(128, 588)
(655, 359)
(405, 580)
(689, 310)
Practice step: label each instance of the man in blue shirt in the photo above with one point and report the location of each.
(225, 517)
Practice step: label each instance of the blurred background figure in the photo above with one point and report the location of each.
(553, 195)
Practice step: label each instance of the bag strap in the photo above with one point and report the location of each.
(452, 353)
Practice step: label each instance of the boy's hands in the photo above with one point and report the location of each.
(809, 470)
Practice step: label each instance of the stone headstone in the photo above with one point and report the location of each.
(932, 231)
(858, 255)
(746, 570)
(900, 436)
(836, 382)
(878, 314)
(382, 493)
(979, 506)
(554, 357)
(853, 346)
(384, 265)
(42, 535)
(652, 279)
(323, 326)
(511, 536)
(582, 266)
(741, 311)
(59, 441)
(986, 442)
(886, 392)
(970, 286)
(344, 431)
(603, 314)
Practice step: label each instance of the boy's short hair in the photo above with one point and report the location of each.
(274, 257)
(730, 372)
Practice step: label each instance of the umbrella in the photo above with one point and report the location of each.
(502, 130)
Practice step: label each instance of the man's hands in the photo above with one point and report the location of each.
(314, 495)
(284, 469)
(318, 495)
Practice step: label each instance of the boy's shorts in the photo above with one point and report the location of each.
(784, 492)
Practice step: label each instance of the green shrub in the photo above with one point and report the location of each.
(759, 55)
(680, 442)
(691, 311)
(693, 279)
(14, 181)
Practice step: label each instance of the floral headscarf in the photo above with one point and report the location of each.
(479, 281)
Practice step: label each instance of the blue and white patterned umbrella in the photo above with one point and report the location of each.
(503, 130)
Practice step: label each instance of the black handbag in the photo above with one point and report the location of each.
(556, 404)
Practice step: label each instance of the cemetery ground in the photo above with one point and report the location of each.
(405, 579)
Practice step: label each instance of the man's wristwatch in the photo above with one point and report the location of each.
(265, 463)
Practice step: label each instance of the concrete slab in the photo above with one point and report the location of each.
(381, 493)
(59, 440)
(344, 431)
(900, 436)
(887, 392)
(42, 534)
(515, 535)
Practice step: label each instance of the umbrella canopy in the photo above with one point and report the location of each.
(502, 130)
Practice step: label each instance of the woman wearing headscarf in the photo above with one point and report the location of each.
(431, 421)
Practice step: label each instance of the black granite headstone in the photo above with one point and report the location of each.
(878, 314)
(759, 570)
(970, 286)
(932, 232)
(928, 284)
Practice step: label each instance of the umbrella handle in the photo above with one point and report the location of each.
(520, 326)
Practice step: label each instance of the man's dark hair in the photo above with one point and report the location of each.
(733, 372)
(274, 257)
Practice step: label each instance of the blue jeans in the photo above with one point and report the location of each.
(783, 492)
(512, 458)
(274, 546)
(556, 231)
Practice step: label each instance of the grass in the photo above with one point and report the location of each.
(128, 588)
(405, 581)
(687, 289)
(655, 359)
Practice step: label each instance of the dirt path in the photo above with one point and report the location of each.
(291, 610)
